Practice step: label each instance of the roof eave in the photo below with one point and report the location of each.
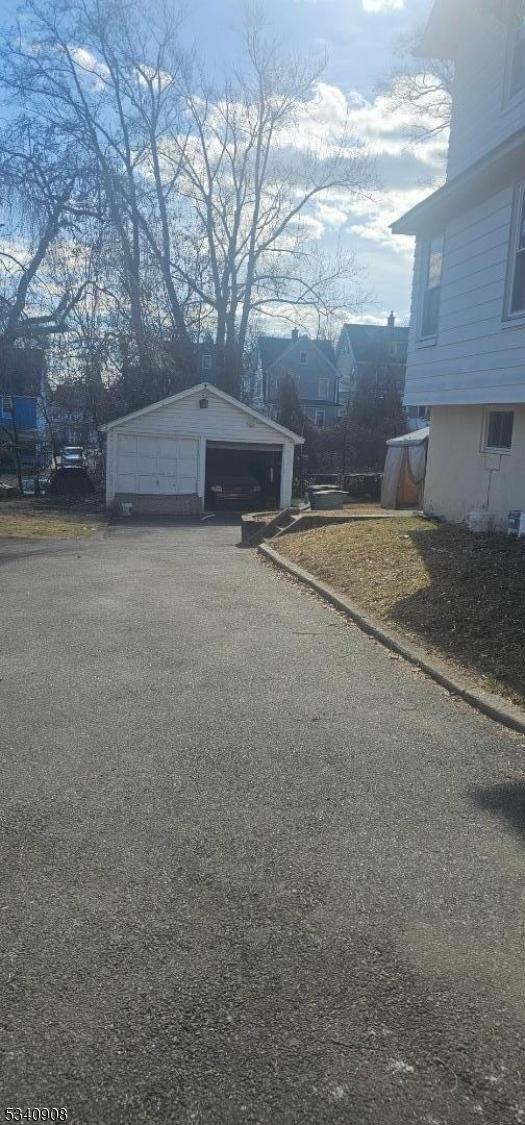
(208, 388)
(443, 31)
(489, 175)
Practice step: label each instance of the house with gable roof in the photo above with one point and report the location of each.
(379, 351)
(313, 367)
(466, 354)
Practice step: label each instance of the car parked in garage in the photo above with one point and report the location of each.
(164, 458)
(241, 491)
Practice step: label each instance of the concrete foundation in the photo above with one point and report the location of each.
(150, 504)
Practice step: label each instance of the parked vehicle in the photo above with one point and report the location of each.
(72, 457)
(235, 491)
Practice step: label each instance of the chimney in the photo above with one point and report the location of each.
(391, 320)
(295, 333)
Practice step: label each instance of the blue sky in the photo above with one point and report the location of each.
(359, 38)
(357, 34)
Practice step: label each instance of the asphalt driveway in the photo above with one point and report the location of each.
(254, 868)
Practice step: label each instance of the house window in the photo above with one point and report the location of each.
(303, 357)
(319, 417)
(499, 425)
(517, 301)
(206, 363)
(516, 80)
(323, 390)
(392, 349)
(432, 291)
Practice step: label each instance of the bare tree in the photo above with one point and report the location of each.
(207, 192)
(250, 191)
(421, 85)
(39, 197)
(65, 72)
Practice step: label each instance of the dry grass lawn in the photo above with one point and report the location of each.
(459, 594)
(24, 519)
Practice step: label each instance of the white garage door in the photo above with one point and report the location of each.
(157, 465)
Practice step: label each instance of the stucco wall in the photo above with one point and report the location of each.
(461, 478)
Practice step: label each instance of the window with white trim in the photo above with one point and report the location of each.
(323, 390)
(319, 418)
(432, 287)
(498, 428)
(516, 52)
(517, 288)
(303, 357)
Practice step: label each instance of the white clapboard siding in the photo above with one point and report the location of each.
(162, 451)
(478, 355)
(483, 117)
(220, 421)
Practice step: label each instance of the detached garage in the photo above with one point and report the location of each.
(158, 458)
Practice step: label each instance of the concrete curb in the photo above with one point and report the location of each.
(486, 702)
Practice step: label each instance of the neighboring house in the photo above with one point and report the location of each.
(207, 370)
(365, 349)
(24, 410)
(163, 458)
(21, 427)
(22, 370)
(312, 365)
(207, 360)
(466, 357)
(22, 382)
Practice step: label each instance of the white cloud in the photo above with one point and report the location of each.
(93, 71)
(379, 126)
(383, 5)
(407, 172)
(387, 129)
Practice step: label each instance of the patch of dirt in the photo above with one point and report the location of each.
(35, 518)
(460, 595)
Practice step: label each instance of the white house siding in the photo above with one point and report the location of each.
(189, 427)
(478, 357)
(186, 417)
(461, 478)
(482, 115)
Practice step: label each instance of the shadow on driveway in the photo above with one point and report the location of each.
(506, 801)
